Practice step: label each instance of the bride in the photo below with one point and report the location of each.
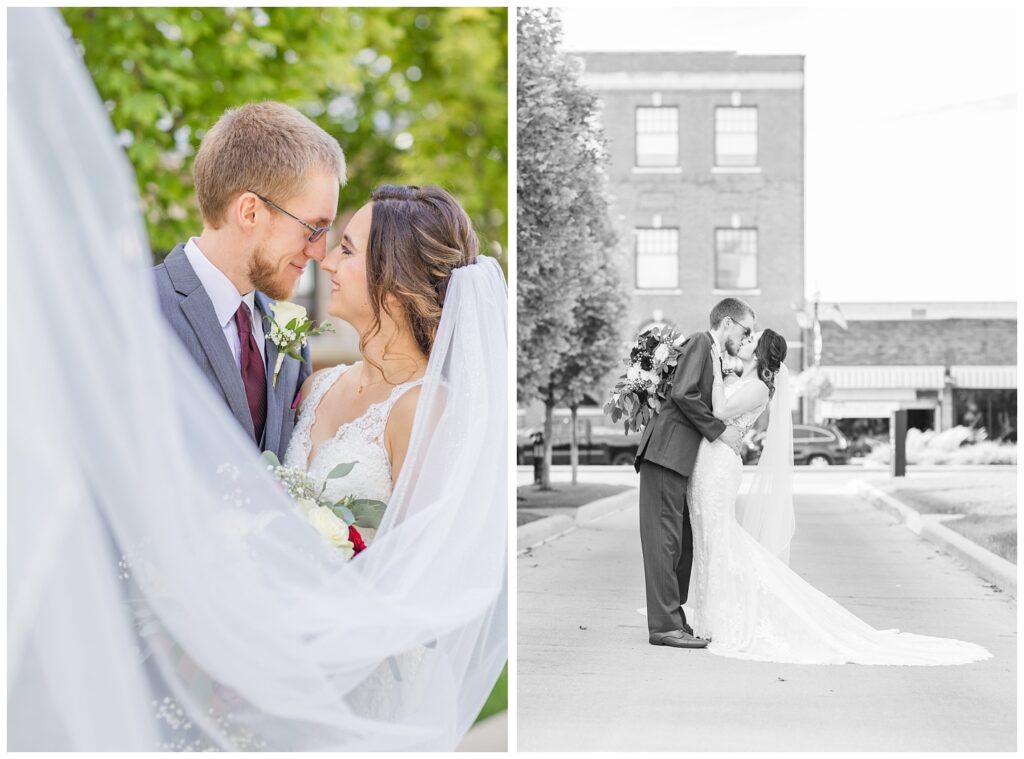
(389, 276)
(747, 601)
(165, 593)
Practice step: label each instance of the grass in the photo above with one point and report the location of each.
(498, 700)
(988, 502)
(564, 495)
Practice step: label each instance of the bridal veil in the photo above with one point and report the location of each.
(765, 510)
(163, 591)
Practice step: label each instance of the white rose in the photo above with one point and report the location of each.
(661, 353)
(633, 372)
(650, 378)
(328, 524)
(284, 312)
(307, 505)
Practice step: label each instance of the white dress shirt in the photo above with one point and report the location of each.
(226, 299)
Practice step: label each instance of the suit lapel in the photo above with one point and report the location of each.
(198, 309)
(278, 398)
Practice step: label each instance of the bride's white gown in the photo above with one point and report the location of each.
(360, 440)
(751, 605)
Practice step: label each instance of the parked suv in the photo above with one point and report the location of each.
(598, 443)
(812, 445)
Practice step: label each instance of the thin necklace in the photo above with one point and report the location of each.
(362, 386)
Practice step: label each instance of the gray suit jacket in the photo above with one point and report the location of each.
(672, 437)
(189, 310)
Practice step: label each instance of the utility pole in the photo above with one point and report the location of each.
(809, 320)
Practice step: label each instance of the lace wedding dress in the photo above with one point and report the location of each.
(751, 605)
(360, 440)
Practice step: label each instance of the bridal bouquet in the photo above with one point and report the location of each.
(639, 392)
(335, 520)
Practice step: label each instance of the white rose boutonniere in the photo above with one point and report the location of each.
(289, 330)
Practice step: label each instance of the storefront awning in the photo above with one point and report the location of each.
(858, 409)
(921, 377)
(985, 377)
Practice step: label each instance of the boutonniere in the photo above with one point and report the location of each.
(289, 330)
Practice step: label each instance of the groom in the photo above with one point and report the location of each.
(267, 182)
(665, 458)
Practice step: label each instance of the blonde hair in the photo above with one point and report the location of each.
(268, 148)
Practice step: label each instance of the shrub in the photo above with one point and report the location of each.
(956, 446)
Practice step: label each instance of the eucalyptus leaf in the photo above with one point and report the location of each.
(368, 513)
(341, 470)
(271, 458)
(344, 513)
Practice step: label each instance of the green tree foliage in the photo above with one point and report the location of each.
(569, 294)
(414, 95)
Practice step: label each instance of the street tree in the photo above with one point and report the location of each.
(560, 154)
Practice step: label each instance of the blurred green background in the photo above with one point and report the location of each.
(413, 95)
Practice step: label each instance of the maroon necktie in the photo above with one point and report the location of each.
(254, 372)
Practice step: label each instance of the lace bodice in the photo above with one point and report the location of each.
(745, 420)
(360, 440)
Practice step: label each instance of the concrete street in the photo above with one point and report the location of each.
(588, 679)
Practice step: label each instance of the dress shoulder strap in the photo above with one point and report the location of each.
(321, 384)
(397, 392)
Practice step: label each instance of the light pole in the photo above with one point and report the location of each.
(809, 319)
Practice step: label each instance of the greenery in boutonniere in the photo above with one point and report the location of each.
(289, 330)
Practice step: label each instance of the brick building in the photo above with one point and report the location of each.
(948, 363)
(707, 183)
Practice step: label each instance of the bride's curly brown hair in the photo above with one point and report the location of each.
(770, 353)
(418, 237)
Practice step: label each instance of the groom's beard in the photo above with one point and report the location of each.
(265, 279)
(731, 346)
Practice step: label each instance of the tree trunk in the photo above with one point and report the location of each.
(574, 446)
(549, 432)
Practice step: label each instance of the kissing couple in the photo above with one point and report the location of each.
(700, 541)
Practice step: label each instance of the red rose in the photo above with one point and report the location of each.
(356, 539)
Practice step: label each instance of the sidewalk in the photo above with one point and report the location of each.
(588, 680)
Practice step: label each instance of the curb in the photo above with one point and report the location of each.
(982, 562)
(549, 528)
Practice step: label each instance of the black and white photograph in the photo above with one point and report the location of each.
(767, 379)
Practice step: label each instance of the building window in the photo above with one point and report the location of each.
(994, 411)
(657, 259)
(657, 136)
(735, 259)
(736, 136)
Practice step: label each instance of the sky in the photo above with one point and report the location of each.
(910, 114)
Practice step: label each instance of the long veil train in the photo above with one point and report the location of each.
(162, 592)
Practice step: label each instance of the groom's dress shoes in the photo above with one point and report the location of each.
(677, 639)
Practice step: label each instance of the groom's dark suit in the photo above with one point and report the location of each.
(664, 459)
(189, 311)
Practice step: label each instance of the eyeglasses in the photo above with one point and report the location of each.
(315, 232)
(747, 331)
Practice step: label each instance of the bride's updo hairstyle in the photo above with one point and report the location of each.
(418, 237)
(770, 353)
